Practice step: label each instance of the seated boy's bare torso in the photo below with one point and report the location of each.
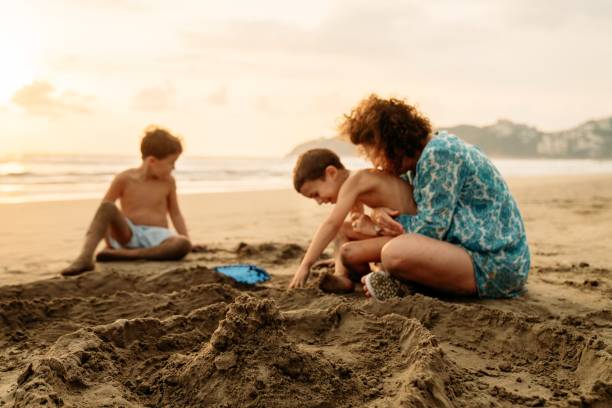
(144, 201)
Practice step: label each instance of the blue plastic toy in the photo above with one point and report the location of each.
(244, 273)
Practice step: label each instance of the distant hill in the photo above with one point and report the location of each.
(338, 145)
(592, 139)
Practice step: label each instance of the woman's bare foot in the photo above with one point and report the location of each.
(78, 266)
(336, 284)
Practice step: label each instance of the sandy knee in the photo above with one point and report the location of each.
(108, 208)
(347, 253)
(181, 246)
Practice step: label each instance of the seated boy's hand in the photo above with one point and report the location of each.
(299, 279)
(197, 248)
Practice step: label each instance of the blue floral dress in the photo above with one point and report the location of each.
(462, 199)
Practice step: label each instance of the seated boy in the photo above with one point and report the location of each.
(147, 194)
(319, 174)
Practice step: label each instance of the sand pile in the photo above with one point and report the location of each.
(242, 354)
(179, 334)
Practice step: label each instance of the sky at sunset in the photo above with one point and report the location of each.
(255, 78)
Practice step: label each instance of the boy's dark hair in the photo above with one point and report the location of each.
(159, 143)
(392, 127)
(311, 165)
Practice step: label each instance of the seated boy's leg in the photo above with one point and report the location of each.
(357, 255)
(119, 230)
(354, 252)
(339, 282)
(107, 215)
(171, 249)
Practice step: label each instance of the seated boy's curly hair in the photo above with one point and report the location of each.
(159, 143)
(311, 165)
(391, 127)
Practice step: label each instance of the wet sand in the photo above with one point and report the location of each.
(178, 334)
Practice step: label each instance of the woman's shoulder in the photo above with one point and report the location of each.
(441, 138)
(442, 141)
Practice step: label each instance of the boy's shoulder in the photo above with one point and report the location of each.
(363, 179)
(367, 174)
(136, 175)
(128, 174)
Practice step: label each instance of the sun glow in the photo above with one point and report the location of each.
(18, 53)
(11, 168)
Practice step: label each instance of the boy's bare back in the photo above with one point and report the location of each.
(376, 189)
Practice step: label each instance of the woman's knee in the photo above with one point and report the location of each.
(400, 254)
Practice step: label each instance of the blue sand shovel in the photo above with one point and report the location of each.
(244, 273)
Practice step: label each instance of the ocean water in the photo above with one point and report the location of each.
(64, 177)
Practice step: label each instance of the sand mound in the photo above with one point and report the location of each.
(250, 361)
(158, 278)
(270, 252)
(112, 364)
(243, 353)
(548, 355)
(163, 334)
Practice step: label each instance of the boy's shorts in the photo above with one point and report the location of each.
(143, 236)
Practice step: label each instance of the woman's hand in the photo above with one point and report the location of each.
(383, 218)
(300, 278)
(363, 224)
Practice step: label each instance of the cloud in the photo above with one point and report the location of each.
(407, 31)
(155, 99)
(40, 98)
(555, 14)
(262, 104)
(389, 29)
(219, 97)
(108, 4)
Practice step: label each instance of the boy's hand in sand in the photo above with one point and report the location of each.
(198, 248)
(383, 217)
(299, 279)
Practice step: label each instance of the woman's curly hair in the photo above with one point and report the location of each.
(391, 128)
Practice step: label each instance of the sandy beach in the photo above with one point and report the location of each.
(177, 334)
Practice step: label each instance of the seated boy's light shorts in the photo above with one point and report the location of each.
(144, 236)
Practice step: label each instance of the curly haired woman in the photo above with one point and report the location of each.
(468, 235)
